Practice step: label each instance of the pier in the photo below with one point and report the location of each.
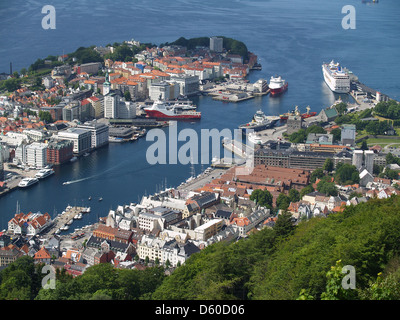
(67, 216)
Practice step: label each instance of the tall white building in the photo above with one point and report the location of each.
(369, 156)
(111, 101)
(358, 159)
(117, 108)
(36, 155)
(216, 44)
(82, 139)
(99, 133)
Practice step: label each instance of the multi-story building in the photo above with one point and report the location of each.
(159, 91)
(9, 256)
(114, 234)
(99, 133)
(208, 229)
(59, 151)
(189, 85)
(348, 134)
(216, 44)
(72, 111)
(158, 218)
(82, 139)
(36, 155)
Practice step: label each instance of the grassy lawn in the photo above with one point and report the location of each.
(381, 142)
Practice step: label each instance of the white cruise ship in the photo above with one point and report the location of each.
(27, 182)
(337, 78)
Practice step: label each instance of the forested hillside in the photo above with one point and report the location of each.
(285, 262)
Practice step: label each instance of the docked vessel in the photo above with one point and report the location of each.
(336, 77)
(73, 159)
(27, 182)
(277, 85)
(254, 138)
(259, 122)
(162, 110)
(296, 112)
(44, 173)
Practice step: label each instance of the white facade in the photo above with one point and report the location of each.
(81, 138)
(36, 155)
(99, 133)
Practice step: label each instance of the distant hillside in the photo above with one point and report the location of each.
(231, 45)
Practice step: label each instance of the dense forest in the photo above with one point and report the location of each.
(231, 45)
(303, 261)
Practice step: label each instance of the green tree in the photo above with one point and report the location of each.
(127, 96)
(334, 287)
(282, 202)
(341, 108)
(316, 174)
(328, 165)
(262, 198)
(328, 188)
(284, 226)
(347, 174)
(45, 116)
(294, 195)
(364, 145)
(337, 134)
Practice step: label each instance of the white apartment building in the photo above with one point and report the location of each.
(82, 139)
(99, 133)
(36, 155)
(116, 108)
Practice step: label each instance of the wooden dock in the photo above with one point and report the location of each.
(66, 216)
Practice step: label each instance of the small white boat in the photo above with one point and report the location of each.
(78, 216)
(27, 182)
(73, 159)
(44, 173)
(70, 222)
(64, 228)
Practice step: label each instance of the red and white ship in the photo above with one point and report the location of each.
(277, 85)
(162, 110)
(296, 112)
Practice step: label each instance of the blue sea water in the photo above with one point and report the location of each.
(290, 37)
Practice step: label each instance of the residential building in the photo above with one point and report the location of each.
(29, 224)
(158, 218)
(114, 234)
(59, 151)
(189, 85)
(208, 229)
(176, 253)
(99, 133)
(8, 256)
(36, 155)
(42, 256)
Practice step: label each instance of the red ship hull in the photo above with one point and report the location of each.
(275, 92)
(303, 115)
(159, 115)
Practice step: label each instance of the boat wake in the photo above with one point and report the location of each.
(95, 176)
